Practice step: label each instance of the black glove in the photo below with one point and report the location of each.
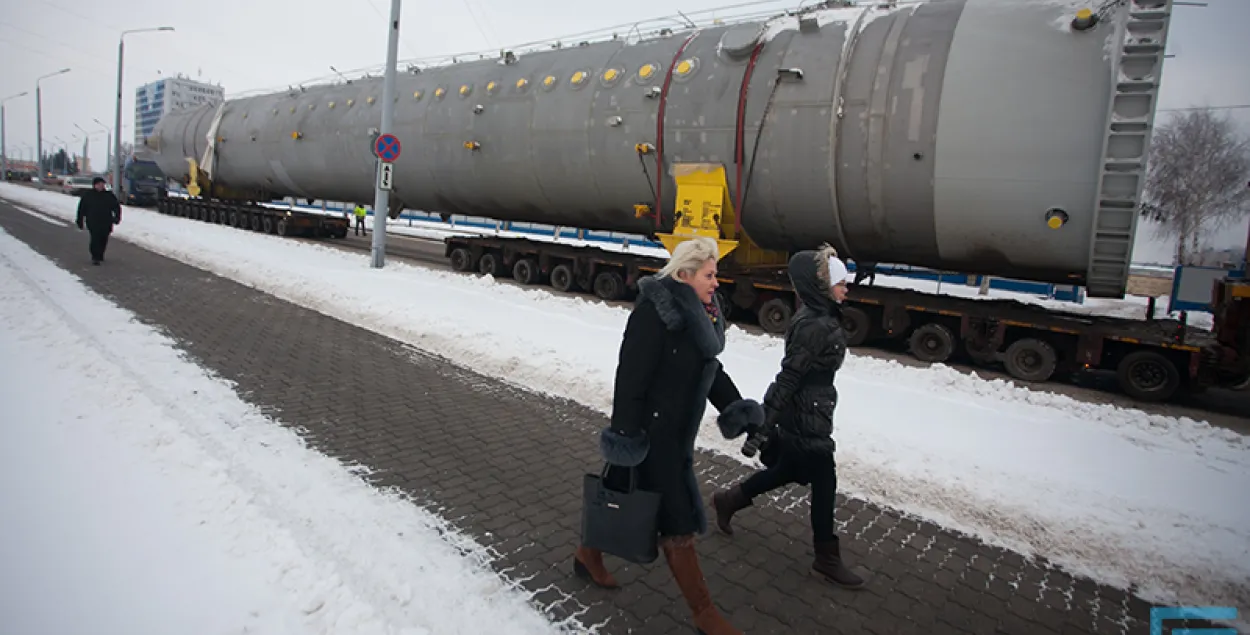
(758, 438)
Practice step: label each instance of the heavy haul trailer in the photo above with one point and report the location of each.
(256, 217)
(997, 137)
(1154, 360)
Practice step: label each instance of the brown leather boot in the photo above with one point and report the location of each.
(829, 565)
(727, 502)
(683, 561)
(588, 565)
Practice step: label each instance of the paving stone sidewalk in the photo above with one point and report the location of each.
(506, 466)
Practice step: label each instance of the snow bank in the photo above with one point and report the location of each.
(141, 495)
(1113, 493)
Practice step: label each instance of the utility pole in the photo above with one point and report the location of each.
(108, 145)
(39, 121)
(4, 150)
(381, 202)
(117, 124)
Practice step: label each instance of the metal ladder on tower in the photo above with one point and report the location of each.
(1137, 70)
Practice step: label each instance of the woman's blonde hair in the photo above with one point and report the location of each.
(690, 256)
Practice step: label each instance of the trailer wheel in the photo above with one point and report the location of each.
(283, 227)
(491, 265)
(1148, 376)
(1030, 359)
(932, 343)
(609, 286)
(255, 221)
(562, 278)
(461, 260)
(774, 316)
(267, 224)
(856, 324)
(234, 219)
(525, 271)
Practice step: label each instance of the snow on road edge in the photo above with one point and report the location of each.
(344, 551)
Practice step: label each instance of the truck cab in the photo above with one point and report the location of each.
(143, 183)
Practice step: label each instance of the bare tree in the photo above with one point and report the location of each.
(1197, 178)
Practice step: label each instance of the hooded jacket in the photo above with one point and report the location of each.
(802, 397)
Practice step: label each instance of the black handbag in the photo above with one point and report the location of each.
(620, 523)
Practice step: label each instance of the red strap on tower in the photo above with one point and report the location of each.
(739, 140)
(659, 132)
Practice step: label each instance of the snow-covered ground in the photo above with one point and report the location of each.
(140, 495)
(1114, 493)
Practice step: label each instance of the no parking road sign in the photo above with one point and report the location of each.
(387, 148)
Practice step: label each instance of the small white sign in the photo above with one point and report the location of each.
(386, 175)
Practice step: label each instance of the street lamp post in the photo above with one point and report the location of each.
(39, 120)
(108, 145)
(117, 123)
(4, 150)
(86, 142)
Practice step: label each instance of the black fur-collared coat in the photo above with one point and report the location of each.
(667, 371)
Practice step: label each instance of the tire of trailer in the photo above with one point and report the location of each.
(525, 271)
(609, 286)
(932, 342)
(857, 324)
(283, 228)
(267, 225)
(774, 316)
(1030, 359)
(562, 278)
(1148, 376)
(234, 218)
(461, 260)
(490, 264)
(254, 220)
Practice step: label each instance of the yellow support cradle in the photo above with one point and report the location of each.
(703, 207)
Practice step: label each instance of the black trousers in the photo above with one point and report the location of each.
(99, 241)
(796, 466)
(360, 225)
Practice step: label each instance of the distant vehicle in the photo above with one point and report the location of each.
(77, 184)
(143, 183)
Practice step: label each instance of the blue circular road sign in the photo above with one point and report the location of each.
(387, 147)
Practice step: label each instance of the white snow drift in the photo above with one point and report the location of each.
(1113, 493)
(140, 495)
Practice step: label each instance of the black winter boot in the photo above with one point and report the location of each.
(829, 565)
(726, 503)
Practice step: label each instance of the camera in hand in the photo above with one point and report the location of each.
(756, 439)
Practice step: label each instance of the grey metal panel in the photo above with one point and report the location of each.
(796, 146)
(887, 135)
(1023, 108)
(765, 148)
(908, 157)
(622, 176)
(702, 111)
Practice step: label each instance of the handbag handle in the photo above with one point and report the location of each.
(633, 476)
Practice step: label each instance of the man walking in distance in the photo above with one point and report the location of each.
(360, 219)
(101, 211)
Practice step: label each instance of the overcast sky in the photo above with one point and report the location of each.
(250, 45)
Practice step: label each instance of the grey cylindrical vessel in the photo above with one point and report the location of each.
(941, 140)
